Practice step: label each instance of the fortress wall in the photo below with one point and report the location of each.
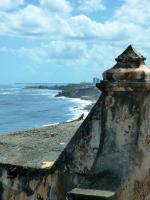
(18, 183)
(122, 113)
(79, 155)
(137, 183)
(121, 162)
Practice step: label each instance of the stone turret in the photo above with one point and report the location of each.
(130, 58)
(126, 133)
(111, 149)
(129, 73)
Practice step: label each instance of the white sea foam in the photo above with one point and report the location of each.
(63, 97)
(9, 92)
(75, 111)
(50, 93)
(51, 124)
(79, 109)
(80, 105)
(45, 92)
(15, 88)
(5, 93)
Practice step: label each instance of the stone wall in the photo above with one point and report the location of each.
(79, 155)
(137, 183)
(19, 183)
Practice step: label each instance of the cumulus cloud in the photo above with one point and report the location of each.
(55, 50)
(35, 21)
(30, 19)
(88, 29)
(26, 21)
(10, 4)
(70, 53)
(89, 6)
(53, 19)
(135, 11)
(77, 37)
(57, 6)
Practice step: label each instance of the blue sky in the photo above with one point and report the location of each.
(68, 40)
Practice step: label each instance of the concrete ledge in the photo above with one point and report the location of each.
(90, 194)
(123, 86)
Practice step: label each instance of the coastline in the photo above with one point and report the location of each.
(77, 105)
(34, 147)
(78, 111)
(84, 92)
(83, 109)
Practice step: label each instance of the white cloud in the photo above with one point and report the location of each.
(10, 4)
(75, 39)
(89, 6)
(135, 11)
(30, 20)
(57, 6)
(46, 20)
(73, 54)
(88, 29)
(34, 21)
(69, 36)
(55, 50)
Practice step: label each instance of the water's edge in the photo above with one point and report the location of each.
(49, 110)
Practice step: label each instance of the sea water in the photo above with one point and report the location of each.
(22, 108)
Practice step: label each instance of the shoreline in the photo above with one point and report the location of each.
(83, 110)
(80, 110)
(83, 104)
(32, 147)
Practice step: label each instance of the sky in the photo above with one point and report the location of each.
(68, 41)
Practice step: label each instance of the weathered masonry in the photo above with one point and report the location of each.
(109, 155)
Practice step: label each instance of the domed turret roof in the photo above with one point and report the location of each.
(130, 66)
(130, 54)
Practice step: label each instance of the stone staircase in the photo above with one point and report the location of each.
(90, 194)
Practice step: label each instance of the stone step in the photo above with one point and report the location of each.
(90, 194)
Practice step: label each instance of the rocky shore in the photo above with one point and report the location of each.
(38, 147)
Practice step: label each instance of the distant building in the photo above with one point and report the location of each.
(96, 80)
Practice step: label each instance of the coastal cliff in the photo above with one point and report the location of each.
(85, 90)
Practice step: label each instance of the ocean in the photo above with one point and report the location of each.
(22, 109)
